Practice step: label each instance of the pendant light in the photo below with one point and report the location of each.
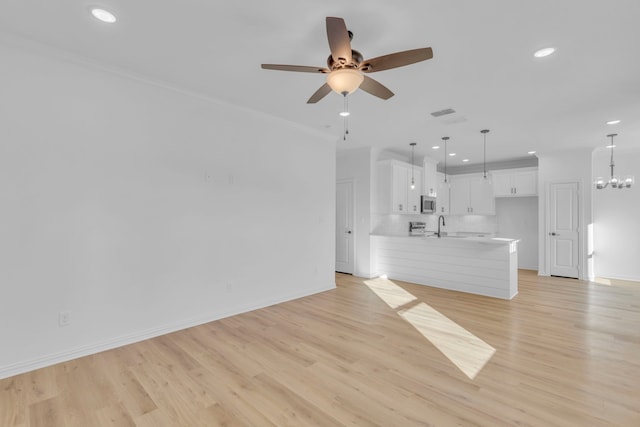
(615, 181)
(445, 139)
(484, 133)
(413, 182)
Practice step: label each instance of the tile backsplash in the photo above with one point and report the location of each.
(399, 224)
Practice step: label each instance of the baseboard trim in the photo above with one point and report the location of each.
(616, 277)
(89, 349)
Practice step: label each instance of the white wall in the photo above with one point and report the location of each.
(355, 165)
(616, 216)
(569, 166)
(518, 218)
(142, 210)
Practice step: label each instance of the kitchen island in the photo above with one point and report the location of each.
(479, 265)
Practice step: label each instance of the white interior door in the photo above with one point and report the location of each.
(563, 229)
(345, 250)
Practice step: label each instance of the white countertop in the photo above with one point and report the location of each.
(458, 237)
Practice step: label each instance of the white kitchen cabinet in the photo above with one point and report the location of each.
(399, 192)
(414, 194)
(515, 182)
(430, 182)
(471, 195)
(394, 187)
(442, 199)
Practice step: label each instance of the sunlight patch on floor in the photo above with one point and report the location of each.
(468, 352)
(389, 292)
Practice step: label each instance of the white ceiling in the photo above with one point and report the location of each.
(483, 64)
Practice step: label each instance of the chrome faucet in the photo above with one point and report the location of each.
(441, 217)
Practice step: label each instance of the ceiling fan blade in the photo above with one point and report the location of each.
(375, 88)
(324, 90)
(395, 60)
(339, 41)
(298, 68)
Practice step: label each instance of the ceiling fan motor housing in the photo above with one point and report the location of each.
(356, 59)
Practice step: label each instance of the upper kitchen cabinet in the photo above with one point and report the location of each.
(442, 200)
(430, 183)
(395, 194)
(414, 193)
(515, 182)
(471, 195)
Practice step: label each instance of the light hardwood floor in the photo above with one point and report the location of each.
(370, 353)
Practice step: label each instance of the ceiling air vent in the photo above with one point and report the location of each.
(443, 112)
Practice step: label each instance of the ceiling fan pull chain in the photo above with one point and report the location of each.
(346, 116)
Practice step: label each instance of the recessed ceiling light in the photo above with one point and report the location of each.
(531, 152)
(544, 52)
(465, 160)
(345, 113)
(103, 15)
(435, 147)
(613, 122)
(452, 154)
(611, 146)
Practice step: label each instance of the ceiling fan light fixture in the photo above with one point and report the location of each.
(345, 80)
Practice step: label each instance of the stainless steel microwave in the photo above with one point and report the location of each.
(428, 204)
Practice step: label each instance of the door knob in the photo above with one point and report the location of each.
(553, 234)
(349, 232)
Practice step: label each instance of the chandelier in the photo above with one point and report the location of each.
(615, 181)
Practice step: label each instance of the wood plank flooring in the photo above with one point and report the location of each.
(369, 353)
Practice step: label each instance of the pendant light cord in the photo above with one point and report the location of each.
(413, 183)
(611, 165)
(484, 133)
(484, 162)
(445, 139)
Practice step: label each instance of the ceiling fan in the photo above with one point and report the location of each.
(346, 70)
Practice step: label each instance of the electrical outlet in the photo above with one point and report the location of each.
(64, 318)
